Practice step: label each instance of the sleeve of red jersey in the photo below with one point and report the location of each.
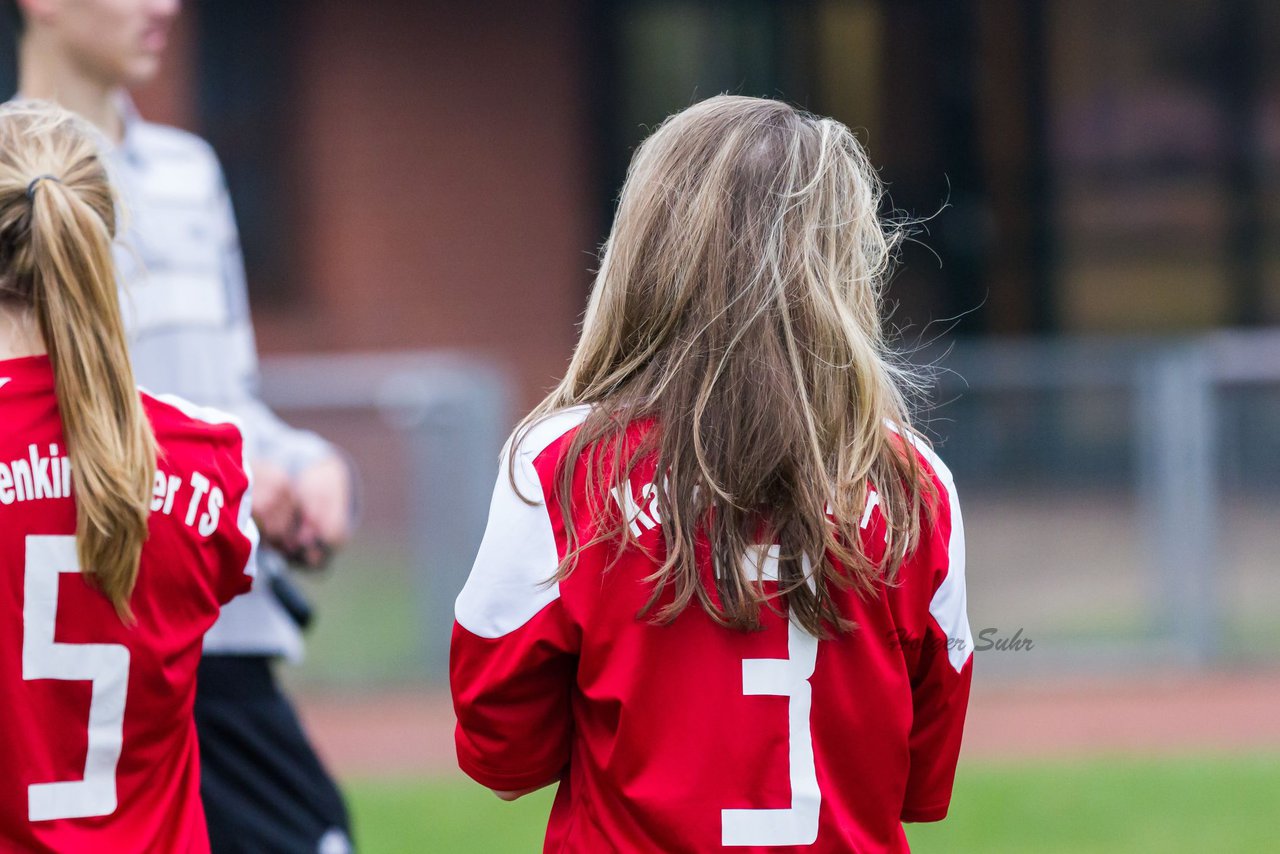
(940, 651)
(230, 537)
(236, 536)
(513, 656)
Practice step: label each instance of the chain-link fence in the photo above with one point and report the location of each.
(1121, 498)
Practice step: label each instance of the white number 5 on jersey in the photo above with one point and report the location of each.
(106, 665)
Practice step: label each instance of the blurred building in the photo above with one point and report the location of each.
(426, 174)
(438, 174)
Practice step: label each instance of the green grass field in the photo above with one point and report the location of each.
(1121, 805)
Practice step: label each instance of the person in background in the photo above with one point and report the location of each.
(187, 314)
(720, 600)
(124, 526)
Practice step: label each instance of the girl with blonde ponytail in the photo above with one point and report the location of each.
(58, 226)
(724, 501)
(145, 499)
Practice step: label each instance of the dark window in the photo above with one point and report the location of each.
(1165, 150)
(8, 53)
(652, 58)
(899, 73)
(247, 102)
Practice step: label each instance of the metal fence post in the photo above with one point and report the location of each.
(455, 434)
(1176, 423)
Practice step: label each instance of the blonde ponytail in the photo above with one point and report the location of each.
(57, 223)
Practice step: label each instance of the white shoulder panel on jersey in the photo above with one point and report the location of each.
(949, 605)
(209, 415)
(508, 584)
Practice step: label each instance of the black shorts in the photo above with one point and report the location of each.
(264, 789)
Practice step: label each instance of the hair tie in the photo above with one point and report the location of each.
(31, 188)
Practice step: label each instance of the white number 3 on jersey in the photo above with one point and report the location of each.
(106, 665)
(787, 677)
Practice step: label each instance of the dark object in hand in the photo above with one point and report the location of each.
(292, 600)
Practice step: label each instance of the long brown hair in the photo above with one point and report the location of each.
(738, 307)
(57, 222)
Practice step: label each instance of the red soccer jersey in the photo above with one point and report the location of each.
(690, 736)
(99, 749)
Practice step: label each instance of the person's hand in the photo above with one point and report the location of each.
(323, 491)
(275, 506)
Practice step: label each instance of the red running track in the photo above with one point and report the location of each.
(411, 733)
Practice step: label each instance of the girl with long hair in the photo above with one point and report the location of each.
(124, 526)
(721, 594)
